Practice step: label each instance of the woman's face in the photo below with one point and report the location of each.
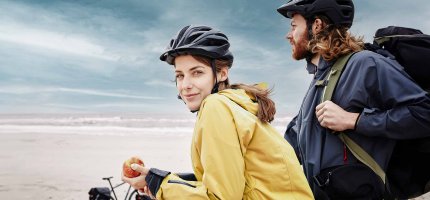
(194, 80)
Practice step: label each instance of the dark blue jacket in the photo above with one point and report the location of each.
(392, 107)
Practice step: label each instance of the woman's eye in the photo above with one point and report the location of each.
(196, 73)
(179, 76)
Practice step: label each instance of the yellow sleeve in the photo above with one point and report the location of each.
(173, 187)
(218, 147)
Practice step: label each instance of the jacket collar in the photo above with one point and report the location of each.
(322, 67)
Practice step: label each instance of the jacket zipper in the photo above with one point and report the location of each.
(181, 182)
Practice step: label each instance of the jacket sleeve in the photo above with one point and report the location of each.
(216, 142)
(403, 110)
(291, 136)
(173, 187)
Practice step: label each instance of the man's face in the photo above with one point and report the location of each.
(298, 37)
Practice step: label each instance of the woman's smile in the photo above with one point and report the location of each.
(190, 97)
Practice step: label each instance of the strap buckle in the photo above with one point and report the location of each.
(322, 181)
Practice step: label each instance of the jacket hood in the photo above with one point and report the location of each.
(243, 99)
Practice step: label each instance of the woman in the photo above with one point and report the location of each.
(236, 154)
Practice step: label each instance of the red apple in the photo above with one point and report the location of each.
(126, 167)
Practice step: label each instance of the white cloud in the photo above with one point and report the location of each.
(162, 83)
(52, 40)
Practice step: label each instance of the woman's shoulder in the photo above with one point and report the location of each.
(226, 99)
(214, 101)
(214, 98)
(215, 105)
(225, 96)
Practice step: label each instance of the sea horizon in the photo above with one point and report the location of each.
(121, 124)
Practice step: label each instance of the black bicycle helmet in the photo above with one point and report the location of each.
(198, 40)
(340, 12)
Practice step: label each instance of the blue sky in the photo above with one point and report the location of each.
(101, 56)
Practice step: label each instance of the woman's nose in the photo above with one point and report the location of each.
(187, 83)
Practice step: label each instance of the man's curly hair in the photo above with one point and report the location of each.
(334, 41)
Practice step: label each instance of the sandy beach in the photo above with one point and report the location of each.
(63, 158)
(48, 166)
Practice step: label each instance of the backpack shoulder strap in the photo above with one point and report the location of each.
(331, 83)
(333, 76)
(362, 155)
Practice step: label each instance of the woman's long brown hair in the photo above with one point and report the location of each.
(266, 107)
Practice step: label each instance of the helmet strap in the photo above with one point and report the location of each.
(215, 87)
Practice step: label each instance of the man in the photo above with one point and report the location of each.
(375, 102)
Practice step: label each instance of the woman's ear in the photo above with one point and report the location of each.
(223, 73)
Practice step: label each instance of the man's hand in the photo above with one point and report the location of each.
(333, 117)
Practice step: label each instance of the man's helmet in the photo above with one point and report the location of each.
(340, 12)
(198, 40)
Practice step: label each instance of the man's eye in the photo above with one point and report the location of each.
(179, 76)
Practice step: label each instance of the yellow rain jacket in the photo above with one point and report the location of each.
(236, 156)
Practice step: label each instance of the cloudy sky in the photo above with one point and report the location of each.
(101, 56)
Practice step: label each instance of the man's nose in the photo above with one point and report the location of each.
(289, 35)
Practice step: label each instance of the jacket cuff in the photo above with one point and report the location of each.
(154, 178)
(356, 121)
(361, 124)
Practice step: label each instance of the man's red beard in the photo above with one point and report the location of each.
(300, 50)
